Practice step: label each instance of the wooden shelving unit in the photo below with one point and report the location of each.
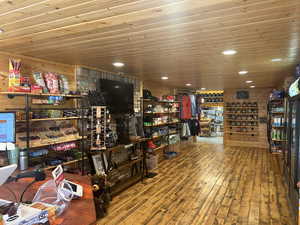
(241, 119)
(44, 142)
(276, 126)
(39, 95)
(49, 119)
(170, 113)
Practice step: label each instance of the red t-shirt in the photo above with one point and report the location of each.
(186, 108)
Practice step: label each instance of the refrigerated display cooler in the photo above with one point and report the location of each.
(292, 171)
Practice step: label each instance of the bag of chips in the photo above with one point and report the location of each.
(52, 83)
(39, 80)
(65, 89)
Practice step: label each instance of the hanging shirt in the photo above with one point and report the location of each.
(194, 127)
(193, 105)
(186, 110)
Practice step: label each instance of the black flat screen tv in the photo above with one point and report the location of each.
(118, 95)
(242, 94)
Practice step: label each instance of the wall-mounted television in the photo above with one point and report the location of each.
(7, 127)
(118, 95)
(242, 94)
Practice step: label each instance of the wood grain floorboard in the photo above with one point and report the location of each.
(207, 184)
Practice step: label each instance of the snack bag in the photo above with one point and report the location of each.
(14, 77)
(38, 77)
(65, 84)
(52, 83)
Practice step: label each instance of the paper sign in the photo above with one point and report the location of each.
(58, 175)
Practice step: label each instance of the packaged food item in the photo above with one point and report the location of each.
(52, 83)
(65, 84)
(36, 89)
(14, 76)
(38, 77)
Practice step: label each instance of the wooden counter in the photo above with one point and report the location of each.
(80, 212)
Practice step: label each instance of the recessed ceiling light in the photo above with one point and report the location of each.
(229, 52)
(243, 72)
(1, 31)
(188, 85)
(165, 78)
(118, 64)
(249, 81)
(203, 89)
(276, 60)
(252, 86)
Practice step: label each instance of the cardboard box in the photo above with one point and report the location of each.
(25, 215)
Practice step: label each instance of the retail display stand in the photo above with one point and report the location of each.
(211, 98)
(161, 120)
(276, 125)
(98, 127)
(241, 120)
(53, 128)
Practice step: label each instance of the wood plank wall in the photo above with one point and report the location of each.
(30, 65)
(157, 89)
(259, 95)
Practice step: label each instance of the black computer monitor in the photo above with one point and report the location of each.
(7, 127)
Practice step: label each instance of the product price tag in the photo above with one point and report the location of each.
(58, 175)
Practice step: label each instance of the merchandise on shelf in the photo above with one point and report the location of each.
(242, 118)
(98, 127)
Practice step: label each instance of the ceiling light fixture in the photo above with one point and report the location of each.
(252, 86)
(203, 89)
(276, 60)
(229, 52)
(243, 72)
(165, 78)
(249, 81)
(188, 85)
(118, 64)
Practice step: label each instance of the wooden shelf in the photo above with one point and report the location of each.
(161, 112)
(162, 124)
(241, 113)
(243, 120)
(163, 102)
(278, 140)
(65, 163)
(159, 148)
(160, 136)
(242, 107)
(47, 119)
(128, 164)
(38, 144)
(37, 95)
(243, 126)
(242, 133)
(278, 127)
(276, 153)
(280, 113)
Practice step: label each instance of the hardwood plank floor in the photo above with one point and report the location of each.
(210, 185)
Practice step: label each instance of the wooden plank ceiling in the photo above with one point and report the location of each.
(181, 38)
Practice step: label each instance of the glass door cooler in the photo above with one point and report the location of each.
(293, 154)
